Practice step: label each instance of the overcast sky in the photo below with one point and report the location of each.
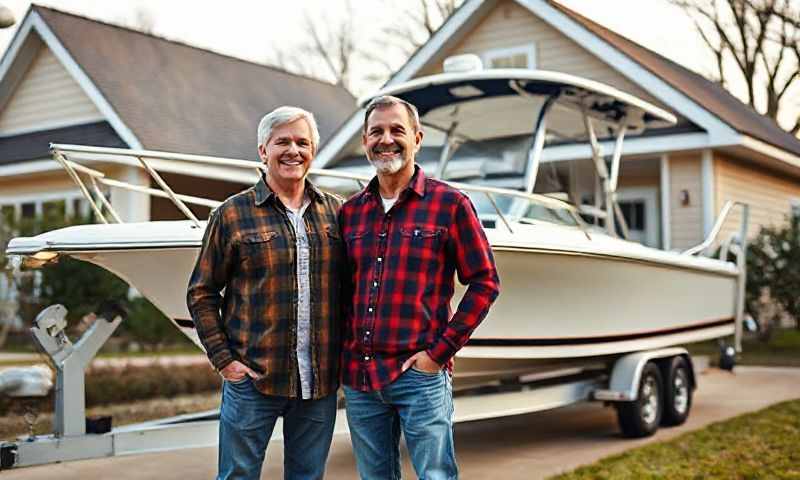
(255, 29)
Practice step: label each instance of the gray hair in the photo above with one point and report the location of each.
(387, 101)
(283, 115)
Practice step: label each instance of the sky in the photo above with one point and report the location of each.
(258, 29)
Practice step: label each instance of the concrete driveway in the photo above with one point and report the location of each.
(521, 447)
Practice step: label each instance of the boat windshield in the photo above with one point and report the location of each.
(518, 210)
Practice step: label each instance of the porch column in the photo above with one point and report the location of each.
(666, 207)
(707, 185)
(131, 206)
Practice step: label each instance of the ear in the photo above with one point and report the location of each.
(418, 140)
(262, 153)
(364, 141)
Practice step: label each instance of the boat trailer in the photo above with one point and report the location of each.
(76, 437)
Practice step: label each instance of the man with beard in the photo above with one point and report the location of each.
(275, 249)
(406, 237)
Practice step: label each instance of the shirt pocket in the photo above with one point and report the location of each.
(422, 243)
(257, 250)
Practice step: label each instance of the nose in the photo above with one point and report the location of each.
(386, 137)
(293, 149)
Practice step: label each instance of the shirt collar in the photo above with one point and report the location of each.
(263, 192)
(416, 184)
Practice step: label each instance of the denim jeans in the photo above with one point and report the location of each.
(247, 418)
(420, 405)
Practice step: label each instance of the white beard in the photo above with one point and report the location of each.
(387, 167)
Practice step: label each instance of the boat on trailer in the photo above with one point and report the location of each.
(572, 293)
(578, 300)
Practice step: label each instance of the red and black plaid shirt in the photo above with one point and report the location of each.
(402, 265)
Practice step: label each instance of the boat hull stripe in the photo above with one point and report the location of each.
(539, 342)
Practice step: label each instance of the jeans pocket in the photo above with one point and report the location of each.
(241, 381)
(424, 373)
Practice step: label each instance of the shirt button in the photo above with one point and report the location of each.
(366, 358)
(369, 309)
(382, 234)
(380, 259)
(375, 284)
(367, 333)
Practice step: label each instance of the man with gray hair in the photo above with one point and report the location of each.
(270, 248)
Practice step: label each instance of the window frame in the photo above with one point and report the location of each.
(529, 49)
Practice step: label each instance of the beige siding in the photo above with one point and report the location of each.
(769, 195)
(47, 97)
(511, 25)
(686, 220)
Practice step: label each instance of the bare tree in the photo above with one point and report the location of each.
(757, 41)
(351, 56)
(422, 19)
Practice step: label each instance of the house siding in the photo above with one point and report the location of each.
(47, 97)
(511, 25)
(770, 195)
(686, 220)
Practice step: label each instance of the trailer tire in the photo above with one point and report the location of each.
(641, 417)
(677, 392)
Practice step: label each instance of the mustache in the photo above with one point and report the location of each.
(392, 149)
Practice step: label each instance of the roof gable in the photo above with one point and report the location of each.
(726, 121)
(46, 97)
(164, 95)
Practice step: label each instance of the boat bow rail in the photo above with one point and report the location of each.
(72, 156)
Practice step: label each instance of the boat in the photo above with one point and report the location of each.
(575, 295)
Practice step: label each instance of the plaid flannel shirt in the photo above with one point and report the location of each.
(402, 265)
(249, 251)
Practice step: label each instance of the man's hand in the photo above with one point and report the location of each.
(236, 371)
(422, 361)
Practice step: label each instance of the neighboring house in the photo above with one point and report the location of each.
(673, 181)
(69, 79)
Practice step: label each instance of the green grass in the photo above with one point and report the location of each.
(783, 349)
(759, 445)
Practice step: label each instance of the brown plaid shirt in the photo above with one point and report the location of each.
(249, 251)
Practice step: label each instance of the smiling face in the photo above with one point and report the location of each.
(288, 152)
(390, 140)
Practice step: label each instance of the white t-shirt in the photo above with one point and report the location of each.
(387, 203)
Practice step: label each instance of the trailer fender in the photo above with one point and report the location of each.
(626, 372)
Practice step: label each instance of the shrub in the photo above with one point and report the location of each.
(773, 269)
(106, 385)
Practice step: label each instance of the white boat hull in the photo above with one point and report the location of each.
(566, 299)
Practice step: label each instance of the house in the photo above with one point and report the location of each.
(673, 181)
(68, 79)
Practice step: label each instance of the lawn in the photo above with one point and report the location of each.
(783, 349)
(759, 445)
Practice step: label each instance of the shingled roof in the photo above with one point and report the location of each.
(176, 97)
(712, 96)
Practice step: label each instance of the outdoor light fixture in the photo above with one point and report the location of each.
(685, 199)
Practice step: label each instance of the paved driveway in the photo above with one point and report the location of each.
(522, 447)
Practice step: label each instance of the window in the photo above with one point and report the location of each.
(523, 56)
(28, 210)
(633, 212)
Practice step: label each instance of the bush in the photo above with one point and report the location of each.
(106, 386)
(773, 271)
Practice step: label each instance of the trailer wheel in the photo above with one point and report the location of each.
(641, 417)
(677, 392)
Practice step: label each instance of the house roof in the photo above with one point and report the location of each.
(175, 97)
(35, 145)
(710, 95)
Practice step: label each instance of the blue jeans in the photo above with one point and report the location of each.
(418, 403)
(247, 418)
